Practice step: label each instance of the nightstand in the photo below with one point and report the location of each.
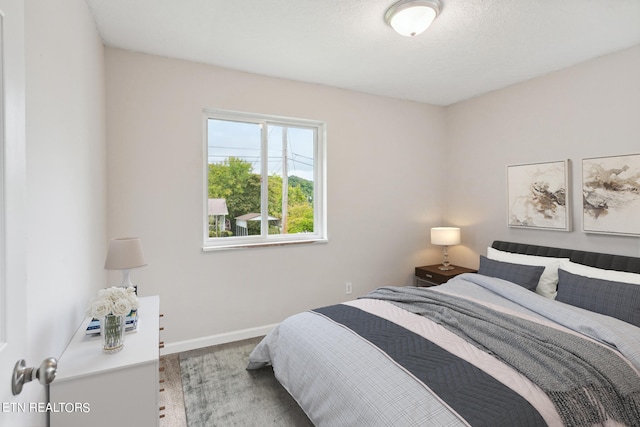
(430, 275)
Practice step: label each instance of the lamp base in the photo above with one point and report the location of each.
(126, 281)
(446, 265)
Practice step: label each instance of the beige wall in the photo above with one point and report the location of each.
(389, 164)
(384, 191)
(590, 110)
(66, 174)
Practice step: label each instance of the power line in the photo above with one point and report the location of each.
(255, 159)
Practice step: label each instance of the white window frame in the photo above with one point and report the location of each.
(319, 234)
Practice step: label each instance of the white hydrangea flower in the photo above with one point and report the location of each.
(116, 293)
(99, 308)
(133, 298)
(114, 300)
(121, 307)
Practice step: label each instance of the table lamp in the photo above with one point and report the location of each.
(124, 254)
(445, 237)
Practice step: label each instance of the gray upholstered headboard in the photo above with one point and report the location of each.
(592, 259)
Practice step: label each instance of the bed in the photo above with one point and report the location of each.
(540, 336)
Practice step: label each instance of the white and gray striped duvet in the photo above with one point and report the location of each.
(341, 379)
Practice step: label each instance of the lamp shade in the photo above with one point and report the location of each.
(412, 17)
(124, 253)
(445, 236)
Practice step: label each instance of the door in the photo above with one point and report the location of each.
(13, 292)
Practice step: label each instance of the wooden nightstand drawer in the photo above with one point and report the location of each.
(430, 275)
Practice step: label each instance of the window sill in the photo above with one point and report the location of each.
(264, 244)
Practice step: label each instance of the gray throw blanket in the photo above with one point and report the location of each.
(587, 382)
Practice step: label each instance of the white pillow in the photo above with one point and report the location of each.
(548, 283)
(600, 273)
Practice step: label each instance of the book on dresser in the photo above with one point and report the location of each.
(131, 324)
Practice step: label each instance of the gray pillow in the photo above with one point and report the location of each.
(615, 299)
(526, 276)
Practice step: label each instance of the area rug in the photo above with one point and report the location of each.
(219, 391)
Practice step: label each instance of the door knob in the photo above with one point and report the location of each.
(45, 374)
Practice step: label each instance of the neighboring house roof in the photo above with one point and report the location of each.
(253, 217)
(218, 207)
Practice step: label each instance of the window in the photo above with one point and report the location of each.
(264, 180)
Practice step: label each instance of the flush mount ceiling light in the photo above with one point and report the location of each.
(411, 17)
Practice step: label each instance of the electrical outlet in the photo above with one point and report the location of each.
(348, 288)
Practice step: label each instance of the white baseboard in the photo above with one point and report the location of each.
(210, 340)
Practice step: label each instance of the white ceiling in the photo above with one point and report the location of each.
(473, 47)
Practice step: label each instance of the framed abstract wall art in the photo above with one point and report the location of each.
(538, 196)
(611, 195)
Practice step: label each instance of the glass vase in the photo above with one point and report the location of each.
(112, 331)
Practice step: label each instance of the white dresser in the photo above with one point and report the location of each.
(118, 389)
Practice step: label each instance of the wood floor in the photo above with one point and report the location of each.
(171, 397)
